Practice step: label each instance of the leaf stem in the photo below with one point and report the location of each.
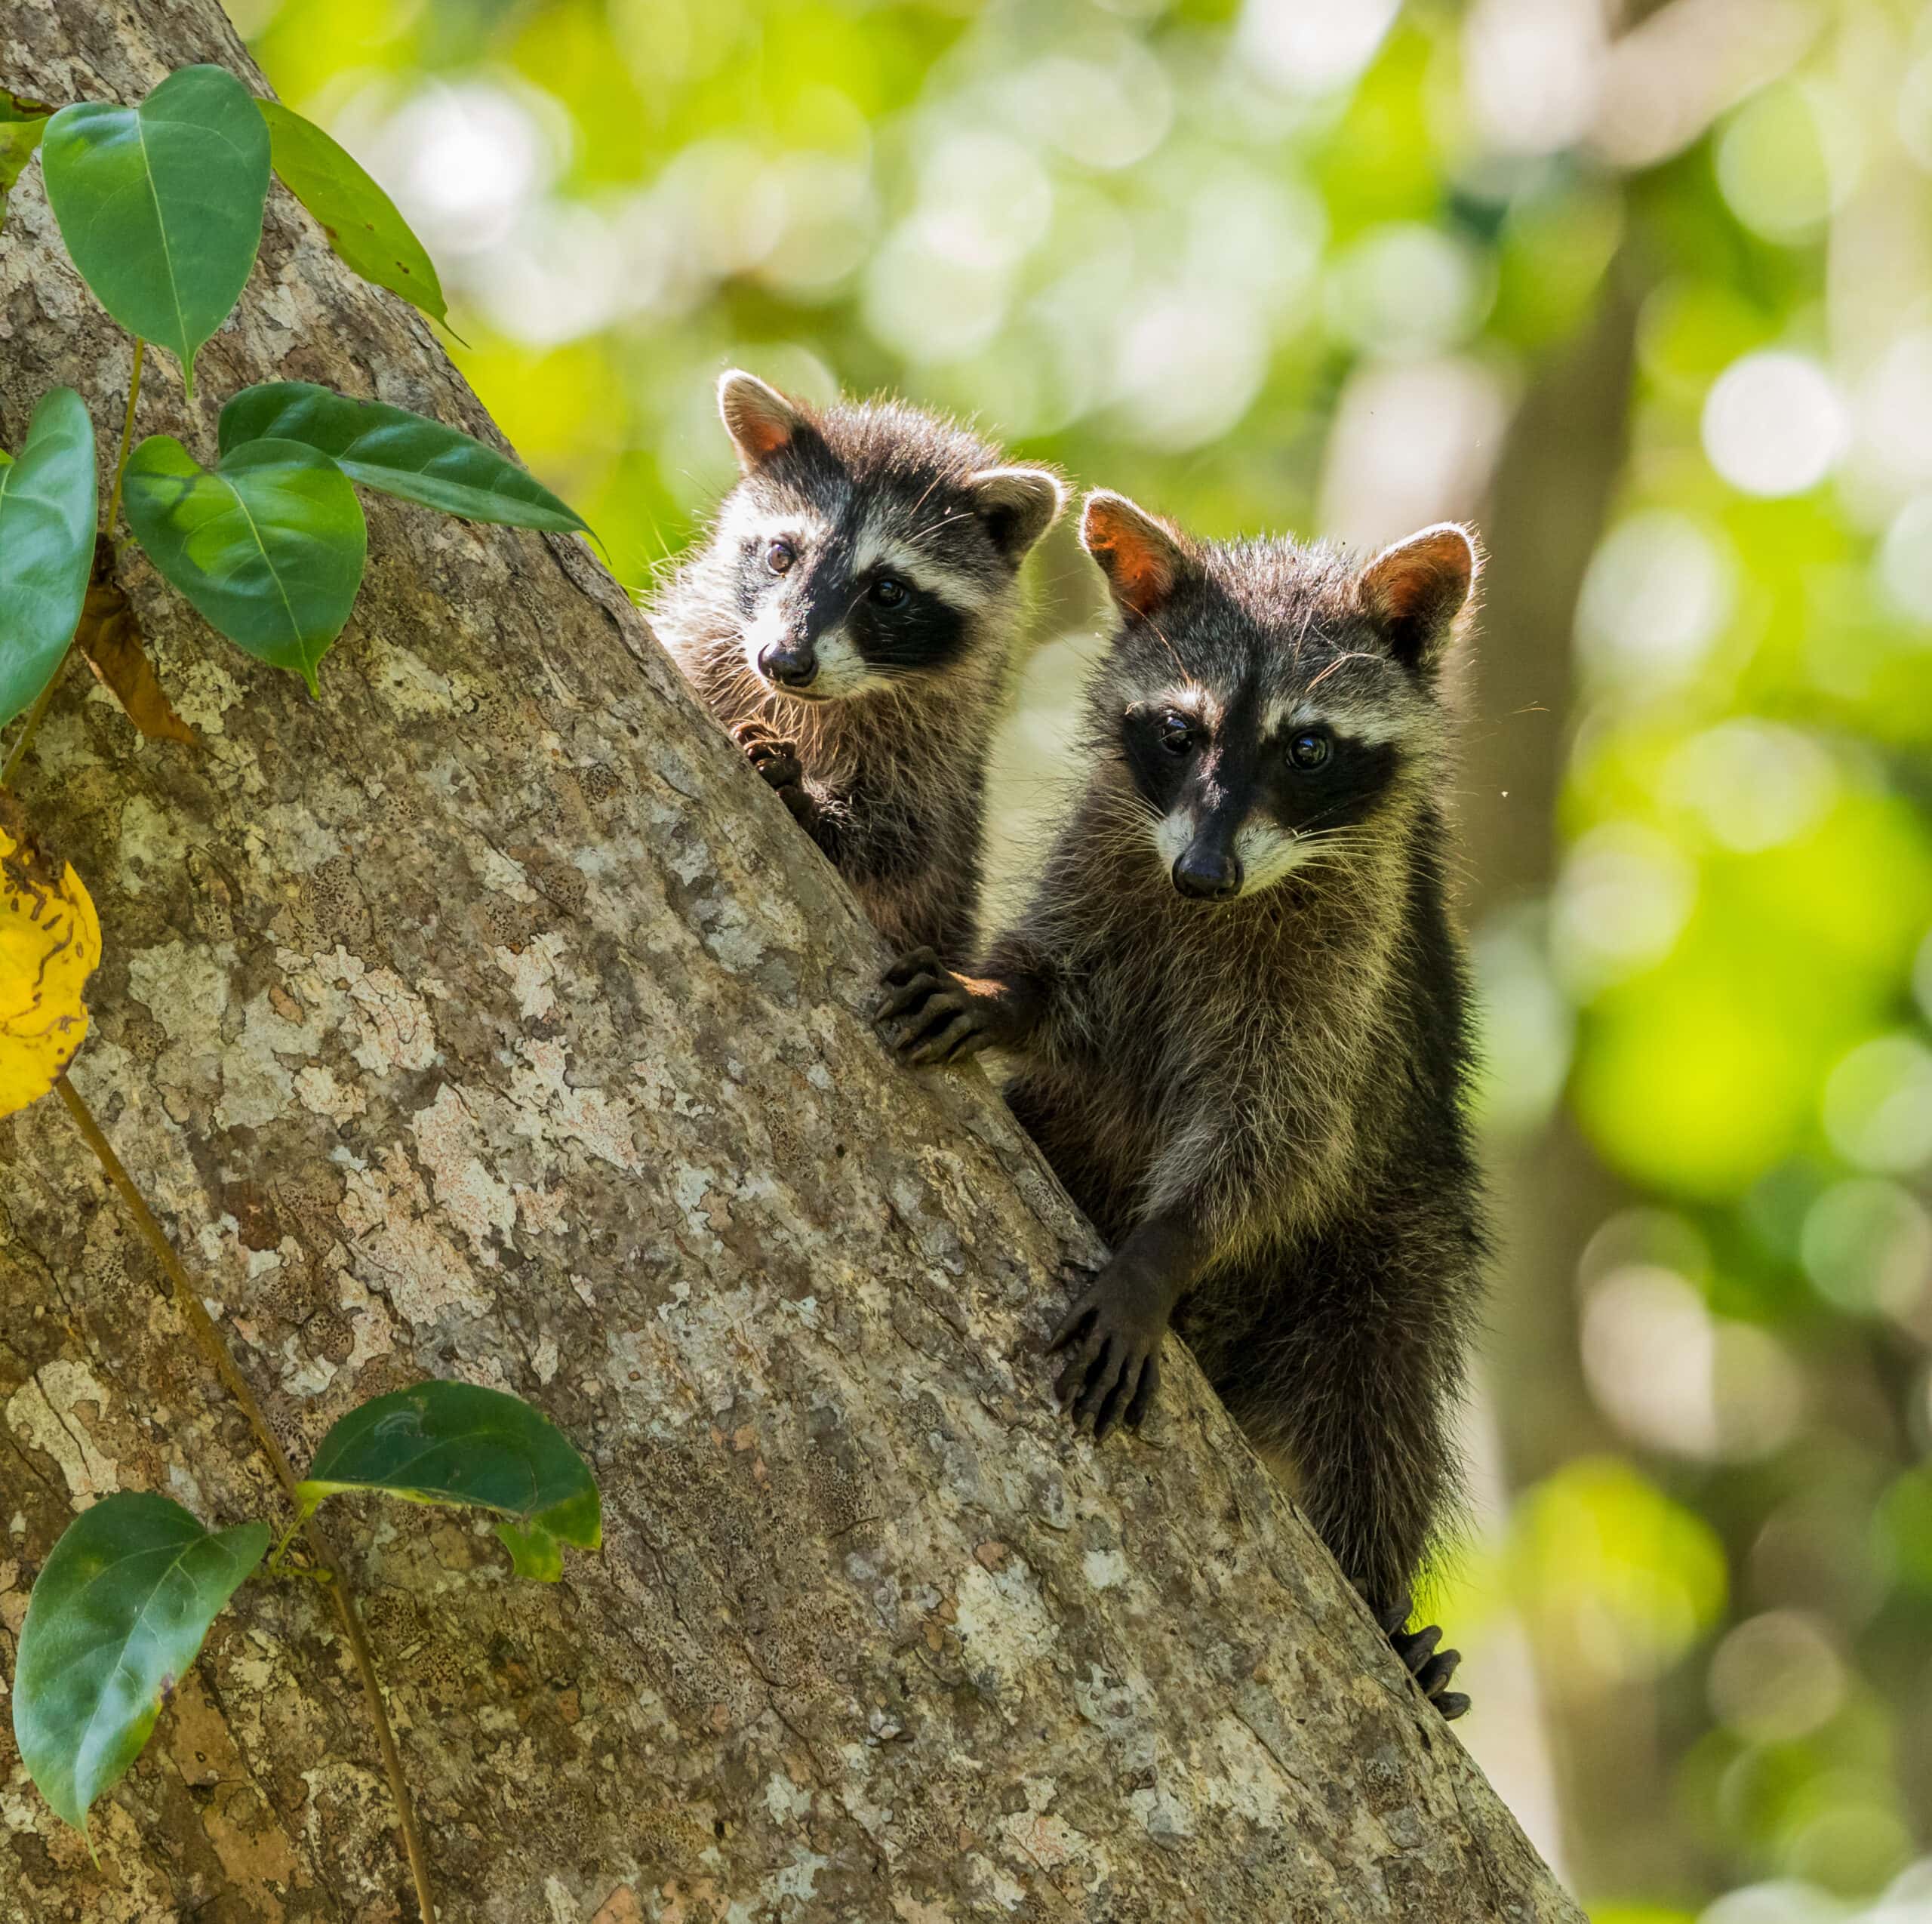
(127, 440)
(209, 1340)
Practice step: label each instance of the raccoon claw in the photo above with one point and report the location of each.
(1430, 1668)
(776, 762)
(1114, 1373)
(935, 1014)
(903, 969)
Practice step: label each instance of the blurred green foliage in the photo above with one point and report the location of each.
(1269, 264)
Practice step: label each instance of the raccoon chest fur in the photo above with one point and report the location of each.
(1238, 1055)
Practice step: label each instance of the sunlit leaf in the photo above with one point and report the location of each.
(161, 204)
(49, 944)
(22, 123)
(398, 452)
(456, 1443)
(47, 512)
(360, 219)
(269, 546)
(118, 1613)
(110, 636)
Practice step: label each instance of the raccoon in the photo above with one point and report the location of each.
(851, 621)
(1239, 1012)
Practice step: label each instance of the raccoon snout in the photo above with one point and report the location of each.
(791, 664)
(1207, 872)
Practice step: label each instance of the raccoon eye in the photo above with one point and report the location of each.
(1309, 750)
(888, 591)
(779, 556)
(1176, 734)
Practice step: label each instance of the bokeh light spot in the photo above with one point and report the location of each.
(1774, 423)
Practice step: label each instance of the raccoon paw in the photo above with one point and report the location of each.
(776, 760)
(1113, 1373)
(937, 1017)
(1431, 1668)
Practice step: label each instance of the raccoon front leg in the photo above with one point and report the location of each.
(1113, 1331)
(776, 759)
(940, 1016)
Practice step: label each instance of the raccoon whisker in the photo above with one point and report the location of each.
(926, 494)
(947, 520)
(1354, 654)
(1313, 823)
(1339, 843)
(1180, 667)
(1301, 636)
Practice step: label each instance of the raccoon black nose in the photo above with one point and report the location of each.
(790, 667)
(1207, 873)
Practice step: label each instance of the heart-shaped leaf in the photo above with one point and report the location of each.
(400, 453)
(47, 511)
(22, 123)
(269, 546)
(360, 219)
(118, 1613)
(161, 204)
(454, 1442)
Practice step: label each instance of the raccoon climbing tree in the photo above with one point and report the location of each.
(485, 1017)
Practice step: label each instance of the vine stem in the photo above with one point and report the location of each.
(46, 695)
(209, 1340)
(126, 439)
(34, 714)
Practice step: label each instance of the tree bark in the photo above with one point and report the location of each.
(487, 1018)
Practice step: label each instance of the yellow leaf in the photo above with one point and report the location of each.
(49, 944)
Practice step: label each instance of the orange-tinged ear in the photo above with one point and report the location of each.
(1416, 590)
(759, 420)
(1142, 557)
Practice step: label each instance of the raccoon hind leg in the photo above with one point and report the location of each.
(1334, 1383)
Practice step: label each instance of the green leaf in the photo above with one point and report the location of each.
(269, 546)
(161, 204)
(22, 123)
(400, 453)
(47, 511)
(118, 1613)
(360, 219)
(453, 1442)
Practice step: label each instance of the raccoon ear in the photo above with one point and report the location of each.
(1018, 506)
(759, 420)
(1141, 557)
(1417, 589)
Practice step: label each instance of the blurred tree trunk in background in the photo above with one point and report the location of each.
(487, 1018)
(1549, 502)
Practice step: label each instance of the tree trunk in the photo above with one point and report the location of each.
(487, 1019)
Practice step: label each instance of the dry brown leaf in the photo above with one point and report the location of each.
(110, 637)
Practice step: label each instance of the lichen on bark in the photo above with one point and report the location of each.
(487, 1019)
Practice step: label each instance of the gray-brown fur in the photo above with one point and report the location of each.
(1259, 1099)
(880, 752)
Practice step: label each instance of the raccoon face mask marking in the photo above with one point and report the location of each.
(1236, 806)
(859, 566)
(1273, 704)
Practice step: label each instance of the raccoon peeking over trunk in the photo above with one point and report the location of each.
(851, 620)
(1239, 1012)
